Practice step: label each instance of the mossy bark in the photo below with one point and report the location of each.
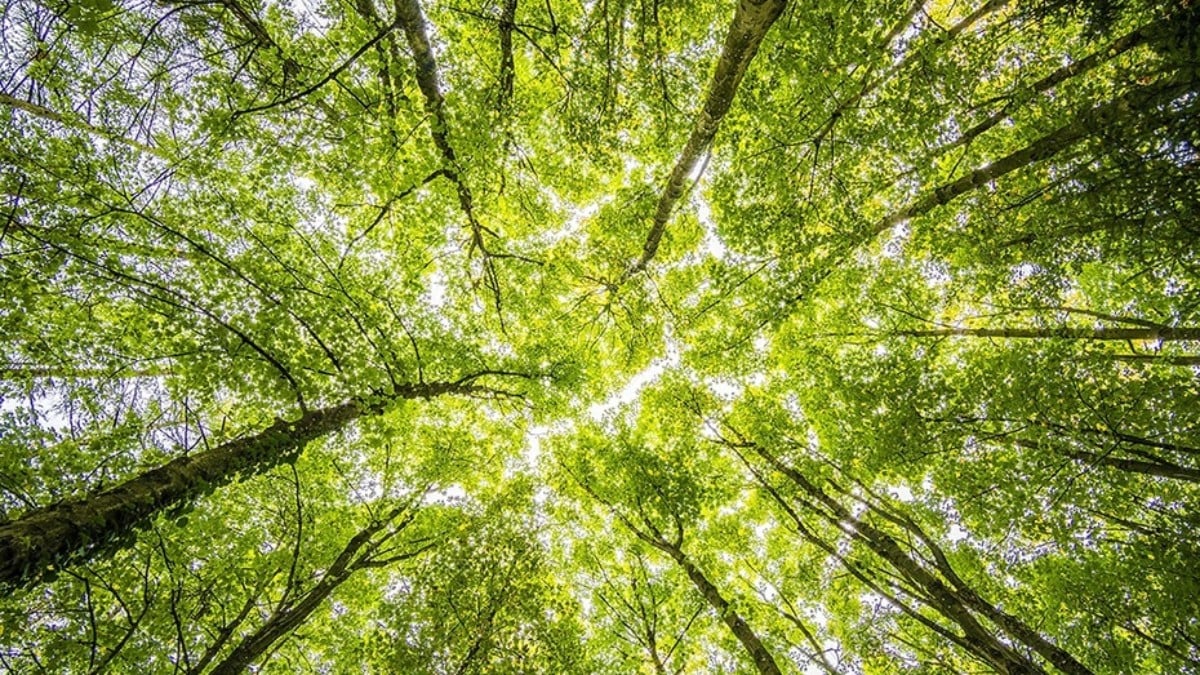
(34, 543)
(78, 529)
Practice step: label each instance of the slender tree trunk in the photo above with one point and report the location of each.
(751, 21)
(954, 597)
(763, 661)
(292, 615)
(1139, 101)
(416, 32)
(1155, 359)
(508, 17)
(870, 84)
(660, 668)
(76, 530)
(1161, 469)
(74, 122)
(412, 20)
(975, 639)
(16, 372)
(480, 640)
(257, 644)
(1119, 46)
(1163, 334)
(1118, 436)
(226, 631)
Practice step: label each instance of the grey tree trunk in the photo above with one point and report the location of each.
(77, 530)
(751, 21)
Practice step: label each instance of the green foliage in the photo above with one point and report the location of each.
(919, 347)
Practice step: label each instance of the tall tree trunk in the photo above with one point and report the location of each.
(870, 84)
(74, 122)
(291, 615)
(1164, 334)
(952, 593)
(508, 18)
(751, 21)
(1182, 361)
(977, 640)
(40, 539)
(76, 530)
(1159, 468)
(763, 661)
(1141, 101)
(412, 20)
(1127, 42)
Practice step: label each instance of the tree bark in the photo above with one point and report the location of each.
(1087, 123)
(1160, 469)
(508, 17)
(412, 20)
(74, 122)
(951, 597)
(763, 661)
(751, 21)
(869, 85)
(292, 615)
(1164, 334)
(76, 530)
(1119, 46)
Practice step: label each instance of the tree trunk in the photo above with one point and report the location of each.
(288, 617)
(256, 645)
(74, 122)
(1087, 123)
(1162, 334)
(1119, 46)
(751, 21)
(1159, 468)
(975, 639)
(870, 84)
(953, 599)
(763, 660)
(411, 19)
(54, 535)
(508, 17)
(76, 530)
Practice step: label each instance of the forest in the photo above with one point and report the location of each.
(600, 336)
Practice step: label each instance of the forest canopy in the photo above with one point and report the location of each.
(600, 336)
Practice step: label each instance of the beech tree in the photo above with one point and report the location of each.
(600, 337)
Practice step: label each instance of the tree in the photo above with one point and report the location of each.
(599, 337)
